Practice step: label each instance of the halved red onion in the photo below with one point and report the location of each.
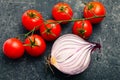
(71, 54)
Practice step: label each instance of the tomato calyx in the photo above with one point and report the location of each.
(62, 8)
(48, 31)
(32, 14)
(81, 31)
(32, 43)
(90, 6)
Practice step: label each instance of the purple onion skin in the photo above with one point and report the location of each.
(97, 46)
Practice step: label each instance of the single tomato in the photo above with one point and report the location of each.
(32, 19)
(62, 11)
(50, 30)
(82, 28)
(13, 48)
(35, 45)
(94, 8)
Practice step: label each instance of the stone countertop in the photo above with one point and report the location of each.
(104, 65)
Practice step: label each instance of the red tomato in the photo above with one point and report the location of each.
(94, 8)
(13, 48)
(50, 30)
(32, 19)
(62, 11)
(82, 28)
(35, 45)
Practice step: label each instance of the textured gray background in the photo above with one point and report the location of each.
(104, 65)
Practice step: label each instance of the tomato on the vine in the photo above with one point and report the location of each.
(62, 11)
(13, 48)
(35, 45)
(82, 28)
(51, 30)
(32, 19)
(92, 9)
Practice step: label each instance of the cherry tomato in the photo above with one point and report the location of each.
(32, 19)
(50, 30)
(13, 48)
(94, 8)
(82, 28)
(62, 11)
(35, 45)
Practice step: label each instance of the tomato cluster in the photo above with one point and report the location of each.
(50, 30)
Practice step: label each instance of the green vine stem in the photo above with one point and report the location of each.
(60, 21)
(27, 34)
(81, 19)
(30, 32)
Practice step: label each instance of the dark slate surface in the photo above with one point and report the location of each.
(104, 66)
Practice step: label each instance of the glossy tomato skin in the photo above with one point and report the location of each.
(36, 48)
(94, 8)
(82, 29)
(32, 19)
(62, 11)
(13, 48)
(51, 31)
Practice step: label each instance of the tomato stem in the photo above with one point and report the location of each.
(30, 32)
(75, 19)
